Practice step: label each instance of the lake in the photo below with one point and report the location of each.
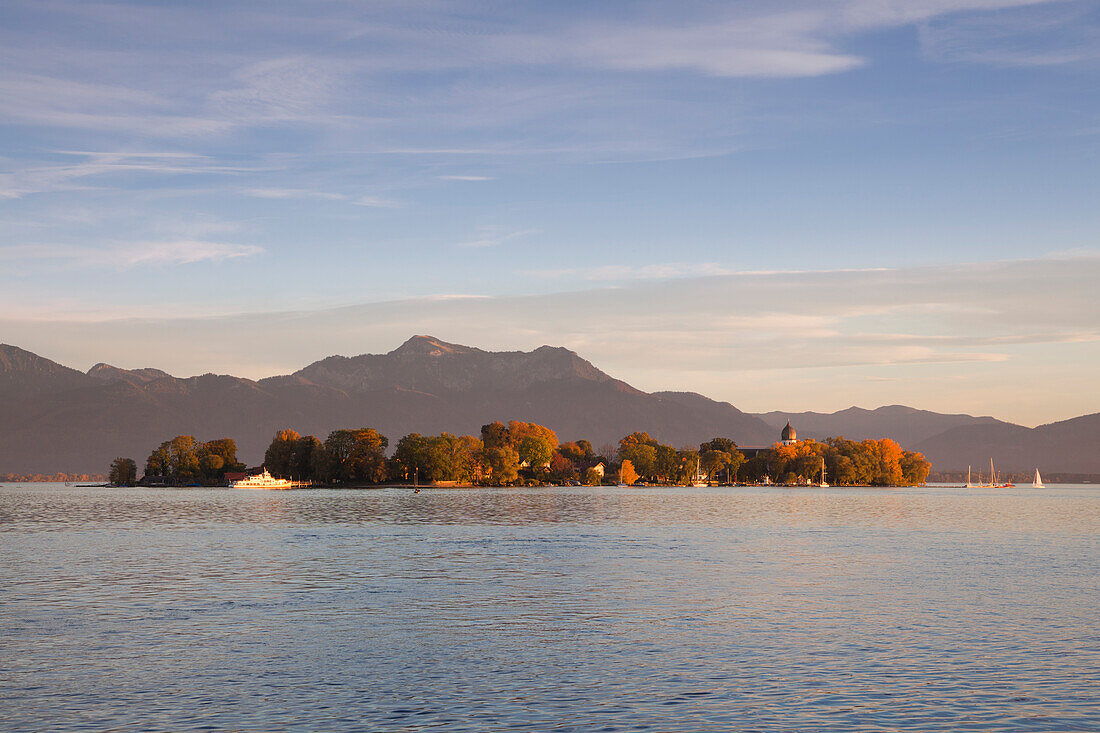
(564, 609)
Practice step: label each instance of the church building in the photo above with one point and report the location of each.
(789, 436)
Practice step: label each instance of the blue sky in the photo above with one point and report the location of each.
(478, 170)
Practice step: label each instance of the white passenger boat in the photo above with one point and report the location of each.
(265, 481)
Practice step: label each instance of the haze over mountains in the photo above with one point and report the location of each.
(59, 419)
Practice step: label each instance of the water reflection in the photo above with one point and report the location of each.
(563, 609)
(49, 507)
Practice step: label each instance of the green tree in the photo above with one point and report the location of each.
(357, 455)
(308, 452)
(914, 468)
(535, 450)
(667, 466)
(216, 457)
(455, 458)
(123, 472)
(184, 459)
(720, 459)
(503, 463)
(411, 458)
(280, 453)
(642, 457)
(159, 462)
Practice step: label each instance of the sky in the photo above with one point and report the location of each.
(792, 204)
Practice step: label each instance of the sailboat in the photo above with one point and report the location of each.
(970, 484)
(1038, 482)
(993, 479)
(698, 480)
(823, 484)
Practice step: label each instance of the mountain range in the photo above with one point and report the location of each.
(954, 442)
(55, 418)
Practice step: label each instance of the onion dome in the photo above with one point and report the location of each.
(789, 434)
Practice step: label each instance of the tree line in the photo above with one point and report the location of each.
(59, 477)
(527, 453)
(847, 462)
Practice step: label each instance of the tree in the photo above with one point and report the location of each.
(184, 460)
(456, 458)
(637, 439)
(666, 464)
(642, 457)
(712, 462)
(159, 462)
(535, 443)
(519, 431)
(592, 477)
(280, 453)
(308, 454)
(357, 455)
(914, 468)
(535, 450)
(410, 458)
(581, 450)
(123, 472)
(495, 435)
(887, 458)
(561, 468)
(216, 457)
(720, 456)
(627, 474)
(503, 463)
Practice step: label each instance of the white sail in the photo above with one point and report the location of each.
(1038, 482)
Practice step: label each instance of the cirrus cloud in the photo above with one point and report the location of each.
(132, 254)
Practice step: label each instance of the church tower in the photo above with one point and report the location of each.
(788, 436)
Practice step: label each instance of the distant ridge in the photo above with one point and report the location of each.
(906, 425)
(953, 442)
(59, 419)
(81, 421)
(24, 374)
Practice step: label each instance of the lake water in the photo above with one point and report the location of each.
(575, 609)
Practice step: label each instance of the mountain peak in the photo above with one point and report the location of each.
(430, 346)
(24, 374)
(109, 373)
(13, 358)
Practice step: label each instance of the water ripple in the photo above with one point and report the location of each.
(563, 610)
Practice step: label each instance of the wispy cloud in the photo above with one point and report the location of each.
(1031, 36)
(130, 255)
(92, 169)
(293, 193)
(494, 235)
(378, 202)
(615, 273)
